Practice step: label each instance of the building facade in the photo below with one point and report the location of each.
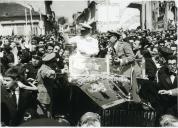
(23, 19)
(108, 15)
(157, 15)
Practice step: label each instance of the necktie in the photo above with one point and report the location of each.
(14, 98)
(172, 73)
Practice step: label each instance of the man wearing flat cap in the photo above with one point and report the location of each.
(123, 56)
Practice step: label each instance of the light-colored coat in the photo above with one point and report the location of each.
(124, 52)
(44, 71)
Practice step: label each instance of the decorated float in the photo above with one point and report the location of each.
(115, 97)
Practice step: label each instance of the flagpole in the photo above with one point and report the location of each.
(31, 19)
(40, 15)
(40, 20)
(26, 17)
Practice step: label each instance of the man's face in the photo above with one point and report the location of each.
(8, 82)
(6, 42)
(172, 65)
(12, 45)
(113, 39)
(174, 49)
(41, 50)
(35, 62)
(50, 49)
(154, 51)
(136, 45)
(41, 43)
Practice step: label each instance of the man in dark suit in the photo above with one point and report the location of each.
(167, 80)
(150, 65)
(17, 100)
(8, 108)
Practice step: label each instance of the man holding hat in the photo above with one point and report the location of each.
(122, 54)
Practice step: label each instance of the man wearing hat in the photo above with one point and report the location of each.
(122, 53)
(164, 52)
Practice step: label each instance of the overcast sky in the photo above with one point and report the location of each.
(68, 8)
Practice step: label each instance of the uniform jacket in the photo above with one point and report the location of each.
(44, 73)
(124, 52)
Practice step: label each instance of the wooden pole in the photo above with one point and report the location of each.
(26, 17)
(31, 20)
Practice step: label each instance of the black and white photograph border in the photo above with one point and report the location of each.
(88, 63)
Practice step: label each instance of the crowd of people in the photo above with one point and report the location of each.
(35, 70)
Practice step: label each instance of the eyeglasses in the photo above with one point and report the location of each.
(173, 64)
(56, 49)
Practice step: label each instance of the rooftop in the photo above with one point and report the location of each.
(14, 9)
